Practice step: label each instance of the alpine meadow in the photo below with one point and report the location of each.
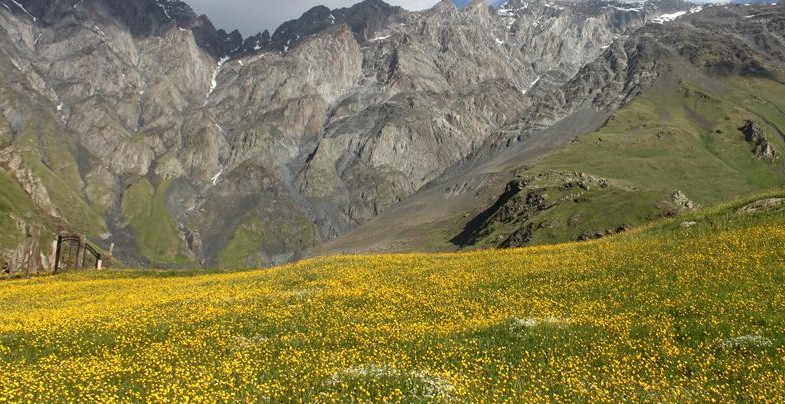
(662, 313)
(477, 201)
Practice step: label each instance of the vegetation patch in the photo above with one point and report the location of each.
(155, 233)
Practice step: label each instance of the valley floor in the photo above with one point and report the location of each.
(672, 311)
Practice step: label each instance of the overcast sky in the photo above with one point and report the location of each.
(252, 16)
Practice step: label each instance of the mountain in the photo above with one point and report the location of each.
(139, 123)
(464, 3)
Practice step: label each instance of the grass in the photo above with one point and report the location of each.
(13, 201)
(241, 244)
(676, 136)
(154, 229)
(258, 239)
(661, 313)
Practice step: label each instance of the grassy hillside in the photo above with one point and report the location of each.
(681, 135)
(662, 313)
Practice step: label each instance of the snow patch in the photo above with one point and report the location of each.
(99, 31)
(537, 80)
(215, 178)
(505, 12)
(379, 38)
(166, 12)
(628, 9)
(214, 81)
(668, 17)
(554, 6)
(60, 107)
(25, 10)
(331, 18)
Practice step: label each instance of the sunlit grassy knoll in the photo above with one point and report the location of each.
(663, 313)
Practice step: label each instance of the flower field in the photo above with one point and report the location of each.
(663, 313)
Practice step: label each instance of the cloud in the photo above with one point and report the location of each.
(252, 16)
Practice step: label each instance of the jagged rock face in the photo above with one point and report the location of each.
(141, 18)
(762, 148)
(295, 138)
(632, 64)
(364, 19)
(718, 41)
(13, 164)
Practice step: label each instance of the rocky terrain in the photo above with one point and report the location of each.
(137, 122)
(660, 117)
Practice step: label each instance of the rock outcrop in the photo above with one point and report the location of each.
(763, 204)
(522, 210)
(762, 149)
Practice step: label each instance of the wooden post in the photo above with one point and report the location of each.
(35, 249)
(58, 250)
(82, 250)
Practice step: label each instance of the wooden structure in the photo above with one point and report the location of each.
(74, 253)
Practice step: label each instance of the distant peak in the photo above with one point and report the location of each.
(447, 5)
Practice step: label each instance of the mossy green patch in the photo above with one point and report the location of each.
(243, 243)
(52, 160)
(254, 237)
(154, 230)
(676, 138)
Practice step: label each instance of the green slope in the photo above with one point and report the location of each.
(677, 136)
(155, 232)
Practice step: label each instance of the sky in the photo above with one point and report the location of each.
(252, 16)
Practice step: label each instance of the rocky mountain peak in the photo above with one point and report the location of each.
(444, 5)
(364, 19)
(141, 18)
